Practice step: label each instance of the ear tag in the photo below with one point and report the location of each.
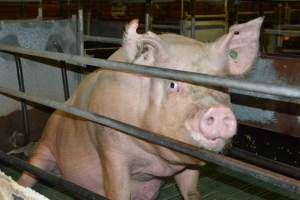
(234, 54)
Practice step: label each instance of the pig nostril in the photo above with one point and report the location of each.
(227, 121)
(210, 120)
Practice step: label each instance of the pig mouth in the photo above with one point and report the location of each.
(213, 144)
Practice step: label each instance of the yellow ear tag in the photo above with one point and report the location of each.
(233, 54)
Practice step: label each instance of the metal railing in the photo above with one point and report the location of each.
(110, 40)
(236, 165)
(191, 77)
(195, 78)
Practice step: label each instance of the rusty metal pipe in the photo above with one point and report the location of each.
(233, 164)
(191, 77)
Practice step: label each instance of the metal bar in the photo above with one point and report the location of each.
(233, 164)
(181, 23)
(64, 74)
(80, 38)
(282, 32)
(261, 95)
(88, 22)
(164, 26)
(23, 104)
(193, 21)
(147, 22)
(80, 32)
(265, 162)
(148, 8)
(226, 17)
(111, 40)
(65, 80)
(195, 78)
(40, 13)
(210, 16)
(49, 178)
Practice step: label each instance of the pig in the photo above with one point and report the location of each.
(120, 166)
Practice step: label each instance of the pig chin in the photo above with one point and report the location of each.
(199, 140)
(216, 145)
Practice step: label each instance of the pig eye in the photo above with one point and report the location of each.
(173, 86)
(236, 32)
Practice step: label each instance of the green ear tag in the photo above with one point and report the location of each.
(233, 54)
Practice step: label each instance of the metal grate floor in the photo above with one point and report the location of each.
(216, 183)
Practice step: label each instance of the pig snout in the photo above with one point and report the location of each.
(218, 121)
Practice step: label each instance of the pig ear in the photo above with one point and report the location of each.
(241, 45)
(145, 49)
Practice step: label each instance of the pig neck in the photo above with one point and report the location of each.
(125, 97)
(153, 120)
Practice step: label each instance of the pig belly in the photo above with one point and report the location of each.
(147, 190)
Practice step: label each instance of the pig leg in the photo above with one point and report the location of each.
(187, 182)
(116, 176)
(41, 158)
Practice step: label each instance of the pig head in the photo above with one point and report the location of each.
(123, 167)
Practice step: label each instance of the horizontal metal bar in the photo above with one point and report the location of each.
(111, 40)
(166, 26)
(236, 165)
(101, 48)
(282, 32)
(49, 178)
(264, 96)
(195, 78)
(265, 162)
(219, 16)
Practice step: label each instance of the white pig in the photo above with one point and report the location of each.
(119, 166)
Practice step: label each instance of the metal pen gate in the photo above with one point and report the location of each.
(236, 165)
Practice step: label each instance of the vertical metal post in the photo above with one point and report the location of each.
(181, 16)
(80, 36)
(262, 48)
(64, 75)
(88, 22)
(279, 38)
(65, 80)
(193, 21)
(40, 11)
(80, 32)
(148, 17)
(236, 6)
(23, 103)
(226, 16)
